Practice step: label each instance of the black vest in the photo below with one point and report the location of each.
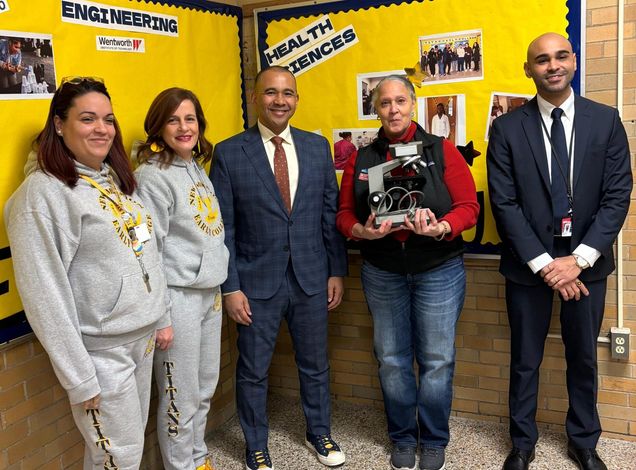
(418, 253)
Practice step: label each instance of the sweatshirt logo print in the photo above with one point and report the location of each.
(129, 205)
(172, 412)
(208, 216)
(150, 346)
(102, 441)
(217, 302)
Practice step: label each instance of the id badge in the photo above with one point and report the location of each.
(142, 233)
(566, 227)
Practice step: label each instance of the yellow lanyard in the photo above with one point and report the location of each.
(129, 223)
(122, 213)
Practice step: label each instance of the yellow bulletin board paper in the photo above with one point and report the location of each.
(391, 37)
(200, 51)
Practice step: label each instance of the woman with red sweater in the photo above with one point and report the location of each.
(413, 277)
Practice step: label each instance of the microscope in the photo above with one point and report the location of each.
(394, 197)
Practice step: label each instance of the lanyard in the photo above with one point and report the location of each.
(127, 218)
(121, 212)
(565, 174)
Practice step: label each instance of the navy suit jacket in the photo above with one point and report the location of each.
(519, 187)
(262, 237)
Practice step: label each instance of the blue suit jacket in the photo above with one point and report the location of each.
(261, 236)
(519, 187)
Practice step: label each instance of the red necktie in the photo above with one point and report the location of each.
(281, 173)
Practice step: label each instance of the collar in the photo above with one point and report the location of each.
(408, 135)
(545, 107)
(267, 134)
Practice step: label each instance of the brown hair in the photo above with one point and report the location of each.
(56, 159)
(162, 107)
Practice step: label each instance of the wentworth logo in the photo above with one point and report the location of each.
(120, 44)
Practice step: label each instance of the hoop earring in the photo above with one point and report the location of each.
(156, 147)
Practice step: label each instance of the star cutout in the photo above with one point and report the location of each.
(468, 152)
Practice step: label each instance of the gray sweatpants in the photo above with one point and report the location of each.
(187, 375)
(114, 433)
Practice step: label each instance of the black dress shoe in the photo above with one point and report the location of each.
(518, 459)
(586, 459)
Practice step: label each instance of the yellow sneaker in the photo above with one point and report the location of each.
(207, 465)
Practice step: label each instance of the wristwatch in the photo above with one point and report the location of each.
(580, 262)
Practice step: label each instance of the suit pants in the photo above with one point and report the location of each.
(529, 314)
(306, 317)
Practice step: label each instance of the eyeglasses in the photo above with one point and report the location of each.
(78, 80)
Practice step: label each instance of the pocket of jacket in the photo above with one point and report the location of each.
(136, 307)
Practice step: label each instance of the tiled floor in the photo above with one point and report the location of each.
(361, 432)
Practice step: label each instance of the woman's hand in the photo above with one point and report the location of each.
(92, 404)
(368, 232)
(164, 338)
(432, 228)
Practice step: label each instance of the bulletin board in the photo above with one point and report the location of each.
(339, 51)
(139, 48)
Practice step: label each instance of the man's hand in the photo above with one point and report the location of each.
(573, 290)
(238, 308)
(164, 338)
(335, 290)
(562, 275)
(560, 272)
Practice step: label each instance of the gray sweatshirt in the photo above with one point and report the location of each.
(80, 282)
(187, 221)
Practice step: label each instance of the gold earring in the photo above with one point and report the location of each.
(156, 147)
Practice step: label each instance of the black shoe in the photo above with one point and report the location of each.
(326, 449)
(586, 459)
(518, 459)
(258, 460)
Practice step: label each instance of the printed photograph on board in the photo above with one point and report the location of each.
(444, 116)
(502, 103)
(366, 84)
(451, 57)
(347, 141)
(27, 67)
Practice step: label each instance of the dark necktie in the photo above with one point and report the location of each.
(560, 169)
(281, 173)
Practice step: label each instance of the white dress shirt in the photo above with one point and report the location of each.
(440, 126)
(290, 153)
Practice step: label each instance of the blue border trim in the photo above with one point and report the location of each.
(13, 327)
(574, 34)
(202, 5)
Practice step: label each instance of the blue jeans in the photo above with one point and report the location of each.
(415, 315)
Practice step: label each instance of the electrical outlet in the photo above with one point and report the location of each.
(619, 343)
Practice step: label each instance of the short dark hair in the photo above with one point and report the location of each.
(278, 68)
(162, 107)
(344, 134)
(56, 159)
